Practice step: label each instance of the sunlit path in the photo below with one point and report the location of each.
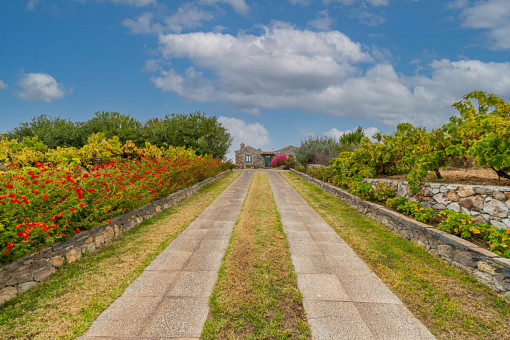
(170, 298)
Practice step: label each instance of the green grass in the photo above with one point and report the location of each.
(65, 305)
(451, 303)
(256, 295)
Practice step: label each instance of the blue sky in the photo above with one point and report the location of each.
(273, 72)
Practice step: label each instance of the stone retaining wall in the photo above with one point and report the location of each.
(487, 267)
(487, 204)
(23, 274)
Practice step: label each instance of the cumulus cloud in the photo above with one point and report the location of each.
(2, 85)
(142, 24)
(39, 87)
(239, 6)
(326, 72)
(31, 4)
(322, 22)
(493, 16)
(367, 17)
(255, 134)
(336, 134)
(135, 3)
(352, 2)
(187, 17)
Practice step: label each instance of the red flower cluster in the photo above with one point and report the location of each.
(37, 205)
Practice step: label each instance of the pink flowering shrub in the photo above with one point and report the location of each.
(282, 160)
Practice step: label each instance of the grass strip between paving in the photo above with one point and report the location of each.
(256, 295)
(449, 302)
(65, 305)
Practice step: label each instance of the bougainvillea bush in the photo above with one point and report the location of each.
(45, 203)
(284, 161)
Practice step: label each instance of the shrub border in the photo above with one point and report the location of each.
(19, 276)
(488, 268)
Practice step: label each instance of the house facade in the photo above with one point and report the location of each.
(248, 157)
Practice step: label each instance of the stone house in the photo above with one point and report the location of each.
(248, 157)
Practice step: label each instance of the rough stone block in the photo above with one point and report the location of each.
(73, 254)
(23, 287)
(108, 234)
(7, 293)
(22, 275)
(465, 191)
(445, 251)
(464, 257)
(43, 273)
(486, 267)
(57, 261)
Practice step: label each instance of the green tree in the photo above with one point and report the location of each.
(318, 150)
(203, 134)
(52, 131)
(114, 124)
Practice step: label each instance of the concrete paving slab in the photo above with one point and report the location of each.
(335, 249)
(178, 316)
(336, 320)
(213, 245)
(153, 283)
(124, 317)
(392, 322)
(324, 287)
(170, 298)
(348, 265)
(204, 262)
(169, 261)
(367, 288)
(186, 245)
(198, 284)
(307, 264)
(349, 303)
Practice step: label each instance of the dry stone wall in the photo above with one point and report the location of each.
(487, 204)
(488, 268)
(20, 276)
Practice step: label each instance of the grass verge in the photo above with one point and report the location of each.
(65, 305)
(256, 295)
(451, 303)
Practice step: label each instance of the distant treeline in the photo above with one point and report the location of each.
(203, 134)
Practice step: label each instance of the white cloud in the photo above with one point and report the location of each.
(352, 2)
(39, 87)
(326, 72)
(31, 4)
(254, 135)
(322, 22)
(2, 85)
(136, 3)
(492, 16)
(186, 17)
(336, 134)
(300, 2)
(368, 18)
(142, 24)
(239, 6)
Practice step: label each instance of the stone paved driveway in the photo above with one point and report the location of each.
(343, 298)
(170, 299)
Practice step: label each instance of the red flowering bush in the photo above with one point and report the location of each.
(283, 160)
(44, 204)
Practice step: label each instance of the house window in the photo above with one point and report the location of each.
(247, 159)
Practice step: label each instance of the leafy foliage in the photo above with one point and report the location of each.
(318, 150)
(482, 133)
(51, 131)
(52, 201)
(195, 131)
